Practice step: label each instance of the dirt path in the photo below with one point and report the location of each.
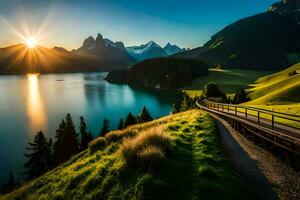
(283, 179)
(246, 166)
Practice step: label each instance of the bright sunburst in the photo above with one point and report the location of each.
(31, 42)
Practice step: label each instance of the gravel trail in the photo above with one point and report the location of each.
(246, 167)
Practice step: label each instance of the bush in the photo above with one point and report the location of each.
(151, 158)
(212, 90)
(97, 144)
(147, 150)
(241, 97)
(293, 73)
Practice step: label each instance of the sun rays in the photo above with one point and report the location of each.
(31, 42)
(28, 53)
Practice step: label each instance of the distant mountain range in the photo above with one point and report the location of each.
(105, 50)
(265, 41)
(153, 50)
(95, 54)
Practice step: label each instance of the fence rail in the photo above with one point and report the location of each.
(274, 127)
(272, 117)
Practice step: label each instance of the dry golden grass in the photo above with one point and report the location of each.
(118, 135)
(151, 158)
(147, 150)
(97, 144)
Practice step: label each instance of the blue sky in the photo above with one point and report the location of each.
(188, 23)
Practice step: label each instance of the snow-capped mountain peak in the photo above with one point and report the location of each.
(172, 49)
(146, 51)
(152, 50)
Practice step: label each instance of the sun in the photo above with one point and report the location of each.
(31, 42)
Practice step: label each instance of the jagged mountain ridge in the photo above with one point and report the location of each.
(94, 55)
(105, 49)
(152, 50)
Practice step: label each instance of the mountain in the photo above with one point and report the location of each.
(18, 59)
(95, 55)
(288, 8)
(152, 50)
(173, 49)
(146, 51)
(262, 42)
(105, 51)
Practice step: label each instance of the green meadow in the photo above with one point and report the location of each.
(278, 92)
(229, 81)
(269, 90)
(194, 166)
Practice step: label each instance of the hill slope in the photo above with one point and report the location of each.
(19, 59)
(196, 168)
(278, 88)
(278, 92)
(229, 81)
(264, 42)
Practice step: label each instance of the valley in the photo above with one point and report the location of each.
(185, 102)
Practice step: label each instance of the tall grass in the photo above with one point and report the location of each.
(148, 150)
(97, 144)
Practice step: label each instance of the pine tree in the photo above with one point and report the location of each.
(174, 108)
(241, 97)
(185, 104)
(40, 156)
(212, 90)
(85, 137)
(11, 184)
(89, 137)
(73, 144)
(105, 127)
(66, 144)
(59, 149)
(121, 124)
(49, 154)
(130, 120)
(145, 115)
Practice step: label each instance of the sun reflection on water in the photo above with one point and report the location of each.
(35, 104)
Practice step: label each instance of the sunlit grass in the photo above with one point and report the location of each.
(278, 92)
(293, 109)
(229, 81)
(277, 89)
(196, 166)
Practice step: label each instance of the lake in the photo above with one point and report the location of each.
(32, 103)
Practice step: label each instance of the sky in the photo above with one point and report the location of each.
(66, 23)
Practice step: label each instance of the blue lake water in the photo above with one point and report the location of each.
(30, 103)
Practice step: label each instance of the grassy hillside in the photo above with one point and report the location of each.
(190, 165)
(252, 43)
(229, 81)
(278, 88)
(278, 92)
